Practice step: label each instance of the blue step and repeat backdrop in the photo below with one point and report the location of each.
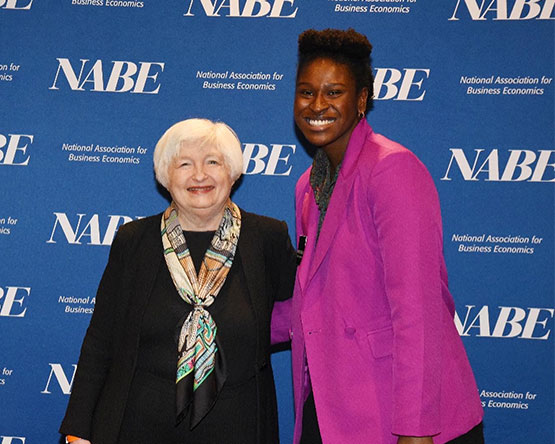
(88, 86)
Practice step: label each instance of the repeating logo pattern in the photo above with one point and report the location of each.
(89, 89)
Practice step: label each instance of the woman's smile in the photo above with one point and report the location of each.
(319, 123)
(197, 189)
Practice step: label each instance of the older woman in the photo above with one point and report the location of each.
(178, 348)
(376, 356)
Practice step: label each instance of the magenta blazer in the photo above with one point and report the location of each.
(371, 309)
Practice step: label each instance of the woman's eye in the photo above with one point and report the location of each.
(334, 92)
(213, 162)
(305, 92)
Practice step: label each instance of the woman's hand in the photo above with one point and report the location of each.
(415, 440)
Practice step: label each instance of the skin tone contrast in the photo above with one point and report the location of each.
(327, 106)
(200, 184)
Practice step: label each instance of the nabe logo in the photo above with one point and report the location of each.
(245, 8)
(12, 301)
(521, 165)
(506, 9)
(272, 160)
(124, 76)
(394, 84)
(86, 230)
(509, 322)
(13, 149)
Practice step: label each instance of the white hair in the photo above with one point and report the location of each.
(199, 132)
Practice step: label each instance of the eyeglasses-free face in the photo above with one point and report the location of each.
(200, 184)
(327, 105)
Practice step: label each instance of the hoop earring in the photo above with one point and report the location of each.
(361, 115)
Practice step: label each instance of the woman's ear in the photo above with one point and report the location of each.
(362, 99)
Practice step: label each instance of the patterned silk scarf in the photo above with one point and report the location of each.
(200, 365)
(322, 183)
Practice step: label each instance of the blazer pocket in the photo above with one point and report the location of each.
(381, 342)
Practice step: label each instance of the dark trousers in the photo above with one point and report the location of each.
(311, 431)
(475, 436)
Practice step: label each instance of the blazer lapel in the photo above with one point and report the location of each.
(335, 213)
(309, 219)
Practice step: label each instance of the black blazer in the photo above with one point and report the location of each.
(109, 351)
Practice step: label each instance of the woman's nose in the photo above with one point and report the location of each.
(319, 103)
(199, 173)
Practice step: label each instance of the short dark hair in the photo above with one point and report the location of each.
(348, 47)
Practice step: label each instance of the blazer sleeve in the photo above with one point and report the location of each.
(96, 351)
(281, 321)
(407, 218)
